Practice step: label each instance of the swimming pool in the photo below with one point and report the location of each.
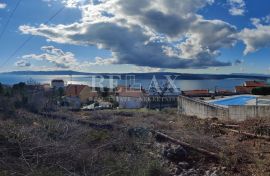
(238, 100)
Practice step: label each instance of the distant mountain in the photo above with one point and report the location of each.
(158, 75)
(64, 72)
(251, 74)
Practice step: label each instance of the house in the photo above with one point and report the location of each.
(243, 90)
(254, 84)
(196, 93)
(224, 92)
(130, 98)
(57, 83)
(249, 86)
(83, 92)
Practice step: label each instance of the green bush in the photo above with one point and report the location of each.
(1, 89)
(261, 91)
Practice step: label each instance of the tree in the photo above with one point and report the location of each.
(160, 91)
(61, 92)
(19, 88)
(103, 92)
(1, 89)
(261, 91)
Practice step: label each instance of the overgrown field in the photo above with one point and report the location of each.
(122, 142)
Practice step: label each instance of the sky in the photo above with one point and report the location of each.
(117, 36)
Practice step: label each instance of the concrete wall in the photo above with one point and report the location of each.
(201, 109)
(204, 110)
(240, 113)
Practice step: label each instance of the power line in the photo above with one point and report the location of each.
(30, 38)
(9, 18)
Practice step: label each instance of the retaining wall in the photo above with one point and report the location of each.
(201, 109)
(247, 112)
(205, 110)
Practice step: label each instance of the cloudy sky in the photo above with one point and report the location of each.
(193, 36)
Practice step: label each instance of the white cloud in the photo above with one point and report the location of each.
(266, 19)
(66, 3)
(256, 38)
(100, 61)
(146, 69)
(60, 59)
(22, 63)
(54, 56)
(237, 7)
(3, 5)
(138, 32)
(72, 3)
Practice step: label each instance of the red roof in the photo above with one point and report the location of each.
(243, 89)
(255, 84)
(224, 91)
(74, 90)
(124, 91)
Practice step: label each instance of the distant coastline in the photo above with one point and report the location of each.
(158, 75)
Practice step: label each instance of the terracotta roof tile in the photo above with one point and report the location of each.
(74, 90)
(243, 89)
(255, 84)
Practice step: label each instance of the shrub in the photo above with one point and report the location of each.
(1, 89)
(7, 106)
(19, 88)
(261, 91)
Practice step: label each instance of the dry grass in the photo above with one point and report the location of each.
(33, 145)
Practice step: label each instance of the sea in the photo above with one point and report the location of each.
(211, 84)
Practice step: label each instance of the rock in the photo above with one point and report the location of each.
(178, 171)
(181, 152)
(172, 171)
(175, 153)
(183, 165)
(223, 168)
(171, 122)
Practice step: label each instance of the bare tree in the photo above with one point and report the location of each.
(160, 91)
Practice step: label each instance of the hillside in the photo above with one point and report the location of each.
(121, 142)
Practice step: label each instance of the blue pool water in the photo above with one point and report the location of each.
(240, 100)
